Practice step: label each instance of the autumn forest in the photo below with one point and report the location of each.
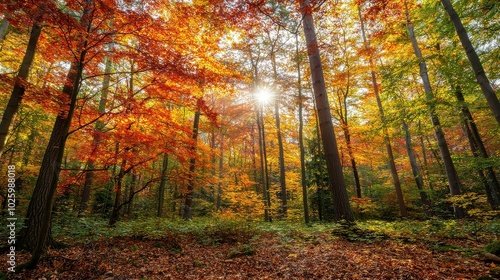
(250, 139)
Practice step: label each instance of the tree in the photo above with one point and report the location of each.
(387, 141)
(36, 234)
(335, 175)
(475, 62)
(188, 201)
(452, 175)
(21, 80)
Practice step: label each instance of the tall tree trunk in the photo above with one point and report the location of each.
(267, 191)
(424, 155)
(451, 173)
(303, 180)
(188, 202)
(342, 209)
(254, 161)
(38, 218)
(426, 203)
(96, 139)
(221, 172)
(319, 153)
(283, 195)
(347, 135)
(491, 184)
(21, 82)
(130, 196)
(263, 167)
(474, 60)
(394, 172)
(115, 213)
(163, 182)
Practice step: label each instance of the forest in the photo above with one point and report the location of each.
(250, 139)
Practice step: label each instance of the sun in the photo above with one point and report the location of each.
(264, 96)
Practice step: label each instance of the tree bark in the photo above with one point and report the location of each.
(267, 193)
(115, 213)
(303, 178)
(394, 172)
(283, 195)
(263, 168)
(221, 172)
(188, 202)
(478, 149)
(475, 62)
(451, 173)
(417, 175)
(96, 139)
(336, 177)
(21, 82)
(36, 233)
(163, 182)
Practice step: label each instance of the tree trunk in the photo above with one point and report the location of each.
(394, 172)
(115, 213)
(21, 82)
(451, 173)
(221, 170)
(263, 167)
(347, 135)
(188, 202)
(267, 192)
(283, 195)
(424, 155)
(426, 203)
(490, 180)
(96, 140)
(474, 60)
(303, 181)
(36, 233)
(163, 182)
(336, 177)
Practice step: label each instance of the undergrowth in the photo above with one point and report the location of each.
(213, 231)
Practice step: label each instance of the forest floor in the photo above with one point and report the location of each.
(235, 251)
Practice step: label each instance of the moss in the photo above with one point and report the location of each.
(493, 248)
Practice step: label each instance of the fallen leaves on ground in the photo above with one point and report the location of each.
(325, 257)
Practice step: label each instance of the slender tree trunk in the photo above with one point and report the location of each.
(188, 202)
(394, 172)
(320, 181)
(38, 218)
(303, 180)
(426, 203)
(336, 177)
(161, 188)
(130, 196)
(267, 192)
(263, 168)
(254, 161)
(451, 173)
(347, 135)
(280, 142)
(424, 155)
(221, 172)
(491, 184)
(21, 82)
(96, 140)
(474, 60)
(115, 213)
